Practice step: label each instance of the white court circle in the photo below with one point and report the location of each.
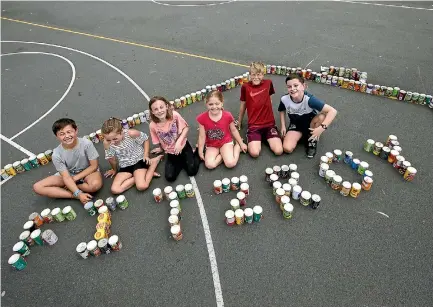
(61, 98)
(89, 55)
(193, 5)
(386, 5)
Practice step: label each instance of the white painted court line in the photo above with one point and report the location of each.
(19, 147)
(210, 248)
(384, 214)
(193, 5)
(6, 180)
(61, 98)
(387, 5)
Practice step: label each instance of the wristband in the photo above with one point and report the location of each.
(75, 194)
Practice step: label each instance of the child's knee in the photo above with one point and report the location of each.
(192, 170)
(170, 177)
(95, 185)
(37, 187)
(230, 163)
(278, 150)
(116, 190)
(142, 186)
(209, 164)
(289, 148)
(254, 152)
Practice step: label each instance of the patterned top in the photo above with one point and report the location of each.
(166, 134)
(217, 133)
(129, 151)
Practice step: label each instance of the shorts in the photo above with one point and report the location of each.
(132, 168)
(301, 124)
(262, 134)
(81, 181)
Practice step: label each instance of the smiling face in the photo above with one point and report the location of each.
(159, 110)
(67, 136)
(114, 137)
(214, 105)
(296, 89)
(256, 76)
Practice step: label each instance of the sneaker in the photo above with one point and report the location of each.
(311, 149)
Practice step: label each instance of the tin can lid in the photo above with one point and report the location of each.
(24, 161)
(91, 245)
(368, 179)
(66, 210)
(324, 166)
(293, 181)
(248, 212)
(178, 100)
(356, 161)
(141, 114)
(280, 192)
(337, 178)
(109, 200)
(235, 179)
(406, 163)
(364, 164)
(16, 163)
(378, 144)
(411, 170)
(172, 219)
(285, 168)
(293, 167)
(276, 184)
(276, 168)
(316, 198)
(174, 211)
(102, 209)
(324, 159)
(273, 177)
(337, 152)
(288, 207)
(397, 148)
(41, 155)
(129, 118)
(100, 202)
(81, 247)
(14, 258)
(198, 93)
(175, 229)
(400, 158)
(368, 173)
(217, 183)
(357, 82)
(234, 202)
(370, 141)
(183, 97)
(347, 184)
(269, 171)
(172, 195)
(8, 166)
(35, 233)
(285, 199)
(187, 95)
(33, 216)
(297, 188)
(240, 195)
(295, 175)
(103, 242)
(329, 154)
(226, 181)
(245, 186)
(87, 206)
(229, 214)
(157, 191)
(18, 246)
(394, 152)
(188, 186)
(28, 224)
(180, 187)
(174, 203)
(204, 91)
(330, 173)
(239, 213)
(356, 185)
(287, 187)
(24, 235)
(258, 209)
(306, 195)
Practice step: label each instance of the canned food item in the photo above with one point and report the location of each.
(330, 156)
(351, 85)
(366, 183)
(18, 167)
(180, 190)
(57, 215)
(172, 196)
(26, 164)
(122, 202)
(392, 156)
(404, 167)
(303, 73)
(4, 175)
(279, 193)
(194, 96)
(328, 79)
(124, 126)
(257, 213)
(189, 191)
(377, 148)
(292, 182)
(355, 164)
(369, 89)
(239, 216)
(337, 156)
(307, 74)
(388, 91)
(318, 78)
(329, 174)
(273, 69)
(363, 166)
(368, 173)
(115, 243)
(340, 81)
(285, 171)
(175, 211)
(69, 213)
(382, 91)
(230, 217)
(363, 87)
(357, 86)
(368, 146)
(397, 148)
(296, 192)
(46, 216)
(235, 204)
(324, 167)
(226, 185)
(410, 173)
(323, 159)
(25, 237)
(346, 186)
(288, 211)
(295, 175)
(167, 191)
(336, 182)
(398, 163)
(284, 70)
(188, 99)
(305, 198)
(277, 170)
(100, 135)
(287, 189)
(341, 71)
(175, 204)
(408, 96)
(176, 233)
(421, 99)
(18, 262)
(111, 203)
(235, 185)
(36, 236)
(90, 208)
(104, 246)
(384, 153)
(173, 220)
(376, 90)
(178, 103)
(242, 198)
(104, 209)
(401, 95)
(345, 83)
(49, 237)
(94, 137)
(393, 143)
(157, 195)
(183, 101)
(293, 168)
(104, 218)
(9, 169)
(245, 188)
(315, 201)
(324, 77)
(243, 179)
(356, 189)
(98, 204)
(92, 248)
(248, 215)
(275, 186)
(217, 187)
(199, 96)
(348, 155)
(415, 97)
(37, 219)
(21, 248)
(284, 200)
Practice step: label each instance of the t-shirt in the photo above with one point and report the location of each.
(294, 110)
(74, 160)
(217, 133)
(129, 151)
(166, 134)
(258, 103)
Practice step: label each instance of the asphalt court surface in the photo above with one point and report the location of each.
(344, 253)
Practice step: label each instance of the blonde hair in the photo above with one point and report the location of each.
(257, 67)
(216, 94)
(112, 124)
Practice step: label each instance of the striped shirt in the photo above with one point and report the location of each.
(129, 151)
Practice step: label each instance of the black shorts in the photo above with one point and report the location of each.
(301, 123)
(132, 168)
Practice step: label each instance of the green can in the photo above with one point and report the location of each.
(278, 72)
(395, 91)
(34, 161)
(199, 96)
(249, 215)
(415, 97)
(26, 164)
(257, 213)
(57, 215)
(283, 70)
(180, 190)
(18, 262)
(122, 203)
(288, 211)
(90, 208)
(363, 166)
(232, 83)
(69, 213)
(21, 248)
(188, 99)
(226, 185)
(368, 146)
(36, 235)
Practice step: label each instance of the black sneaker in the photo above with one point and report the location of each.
(311, 149)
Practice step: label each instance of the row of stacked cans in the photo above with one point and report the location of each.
(223, 86)
(26, 164)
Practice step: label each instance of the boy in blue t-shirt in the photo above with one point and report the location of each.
(308, 116)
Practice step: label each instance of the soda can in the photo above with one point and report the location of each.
(18, 167)
(239, 216)
(82, 250)
(230, 217)
(337, 157)
(93, 248)
(275, 186)
(235, 204)
(234, 184)
(287, 189)
(18, 262)
(278, 195)
(110, 203)
(292, 182)
(226, 185)
(175, 204)
(245, 188)
(36, 236)
(69, 213)
(346, 186)
(189, 191)
(329, 174)
(368, 146)
(355, 190)
(94, 137)
(157, 195)
(348, 157)
(122, 202)
(336, 182)
(384, 153)
(248, 213)
(366, 183)
(21, 248)
(377, 148)
(355, 164)
(305, 198)
(392, 156)
(103, 246)
(217, 187)
(363, 166)
(176, 233)
(173, 220)
(257, 213)
(242, 198)
(9, 169)
(315, 201)
(324, 167)
(172, 196)
(49, 237)
(296, 192)
(26, 164)
(268, 172)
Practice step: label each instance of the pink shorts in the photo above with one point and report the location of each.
(262, 134)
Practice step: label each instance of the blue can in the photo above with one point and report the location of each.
(348, 156)
(355, 164)
(125, 124)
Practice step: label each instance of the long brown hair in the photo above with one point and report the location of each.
(169, 115)
(112, 124)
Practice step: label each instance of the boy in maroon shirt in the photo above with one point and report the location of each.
(256, 100)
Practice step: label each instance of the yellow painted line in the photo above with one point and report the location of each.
(127, 42)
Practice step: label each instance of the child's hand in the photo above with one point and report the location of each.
(283, 131)
(201, 155)
(244, 147)
(178, 148)
(315, 133)
(110, 173)
(147, 160)
(84, 197)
